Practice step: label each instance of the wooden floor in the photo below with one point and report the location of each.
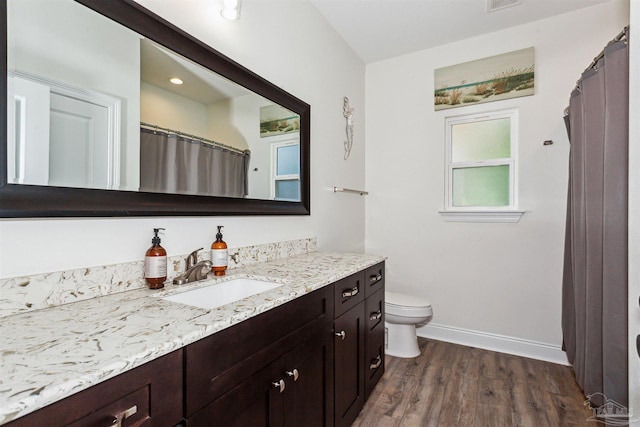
(454, 385)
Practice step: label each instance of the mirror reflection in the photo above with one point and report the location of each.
(145, 119)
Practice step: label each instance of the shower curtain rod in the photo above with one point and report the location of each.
(617, 38)
(200, 139)
(621, 35)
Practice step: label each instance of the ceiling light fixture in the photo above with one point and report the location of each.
(493, 5)
(230, 10)
(176, 81)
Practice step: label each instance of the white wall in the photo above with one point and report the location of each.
(289, 44)
(166, 109)
(496, 279)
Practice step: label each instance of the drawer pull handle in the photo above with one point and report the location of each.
(294, 374)
(375, 278)
(341, 334)
(279, 385)
(375, 315)
(119, 418)
(351, 292)
(375, 363)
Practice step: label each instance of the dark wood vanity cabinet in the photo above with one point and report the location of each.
(359, 340)
(310, 362)
(374, 335)
(274, 369)
(149, 395)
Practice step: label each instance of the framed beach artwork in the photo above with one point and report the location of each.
(509, 75)
(276, 120)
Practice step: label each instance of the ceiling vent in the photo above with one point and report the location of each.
(493, 5)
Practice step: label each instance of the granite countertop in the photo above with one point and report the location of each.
(53, 353)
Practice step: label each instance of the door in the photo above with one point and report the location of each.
(349, 365)
(79, 150)
(256, 402)
(308, 399)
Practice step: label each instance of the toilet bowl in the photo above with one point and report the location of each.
(402, 314)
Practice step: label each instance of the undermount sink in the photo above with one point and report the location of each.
(222, 293)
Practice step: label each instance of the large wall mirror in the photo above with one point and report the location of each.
(112, 111)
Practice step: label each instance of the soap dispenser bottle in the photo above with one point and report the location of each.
(155, 263)
(219, 254)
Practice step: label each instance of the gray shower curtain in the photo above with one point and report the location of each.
(594, 303)
(178, 165)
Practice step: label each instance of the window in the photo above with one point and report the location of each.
(285, 170)
(481, 182)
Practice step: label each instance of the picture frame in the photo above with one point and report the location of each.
(505, 76)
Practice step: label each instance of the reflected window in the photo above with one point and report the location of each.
(285, 170)
(481, 161)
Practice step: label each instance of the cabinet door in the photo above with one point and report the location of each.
(294, 390)
(218, 363)
(256, 402)
(308, 397)
(349, 365)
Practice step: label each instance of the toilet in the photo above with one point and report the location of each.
(402, 314)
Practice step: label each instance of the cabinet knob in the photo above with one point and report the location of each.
(375, 277)
(279, 385)
(341, 334)
(350, 292)
(375, 315)
(293, 374)
(375, 363)
(118, 418)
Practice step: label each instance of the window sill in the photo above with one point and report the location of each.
(481, 216)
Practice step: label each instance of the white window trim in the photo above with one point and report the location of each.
(273, 165)
(483, 213)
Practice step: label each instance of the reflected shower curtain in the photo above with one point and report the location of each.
(594, 294)
(174, 164)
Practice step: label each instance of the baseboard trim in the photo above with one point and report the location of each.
(495, 342)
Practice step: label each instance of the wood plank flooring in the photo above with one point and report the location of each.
(455, 385)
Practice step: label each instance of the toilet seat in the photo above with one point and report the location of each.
(401, 300)
(408, 306)
(402, 314)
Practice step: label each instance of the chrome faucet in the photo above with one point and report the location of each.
(194, 270)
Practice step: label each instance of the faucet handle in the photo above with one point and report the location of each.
(201, 273)
(192, 259)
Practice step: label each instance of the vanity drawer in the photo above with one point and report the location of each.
(374, 310)
(150, 395)
(348, 292)
(374, 359)
(374, 278)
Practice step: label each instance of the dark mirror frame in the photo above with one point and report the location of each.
(30, 201)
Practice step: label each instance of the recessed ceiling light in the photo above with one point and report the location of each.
(176, 81)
